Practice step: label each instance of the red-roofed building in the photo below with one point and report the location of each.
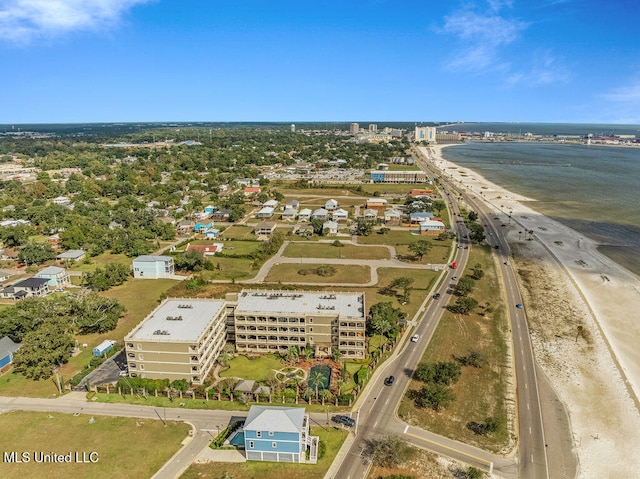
(421, 193)
(207, 250)
(250, 191)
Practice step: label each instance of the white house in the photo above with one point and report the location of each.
(331, 205)
(153, 267)
(304, 214)
(266, 212)
(339, 215)
(320, 214)
(57, 276)
(289, 214)
(431, 227)
(330, 228)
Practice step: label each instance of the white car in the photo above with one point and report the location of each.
(414, 338)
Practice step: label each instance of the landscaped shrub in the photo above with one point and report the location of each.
(322, 449)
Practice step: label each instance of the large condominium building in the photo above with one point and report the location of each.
(272, 321)
(402, 176)
(426, 134)
(180, 339)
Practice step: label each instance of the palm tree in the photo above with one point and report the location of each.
(314, 378)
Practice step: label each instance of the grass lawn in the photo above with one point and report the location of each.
(423, 279)
(230, 268)
(238, 232)
(212, 404)
(480, 392)
(126, 447)
(288, 272)
(332, 437)
(258, 369)
(391, 188)
(101, 260)
(326, 250)
(239, 248)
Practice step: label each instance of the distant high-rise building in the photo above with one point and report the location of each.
(293, 128)
(425, 133)
(373, 128)
(354, 128)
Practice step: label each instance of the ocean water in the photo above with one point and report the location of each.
(517, 128)
(593, 189)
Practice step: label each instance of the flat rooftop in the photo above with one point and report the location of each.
(301, 302)
(177, 320)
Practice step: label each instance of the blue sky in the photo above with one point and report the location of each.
(324, 60)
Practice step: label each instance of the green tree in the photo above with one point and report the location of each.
(317, 225)
(463, 305)
(477, 271)
(442, 372)
(472, 215)
(420, 248)
(384, 319)
(438, 205)
(191, 261)
(464, 286)
(111, 275)
(363, 228)
(435, 396)
(43, 349)
(36, 253)
(392, 450)
(314, 379)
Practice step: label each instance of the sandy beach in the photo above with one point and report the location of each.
(580, 307)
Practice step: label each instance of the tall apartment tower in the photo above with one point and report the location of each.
(354, 128)
(426, 134)
(373, 128)
(293, 128)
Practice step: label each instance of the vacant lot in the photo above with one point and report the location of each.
(289, 273)
(332, 437)
(327, 250)
(238, 232)
(481, 391)
(126, 447)
(101, 261)
(231, 268)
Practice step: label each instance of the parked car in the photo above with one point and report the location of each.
(345, 420)
(389, 381)
(519, 306)
(454, 278)
(414, 338)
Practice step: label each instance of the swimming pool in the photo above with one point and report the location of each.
(237, 439)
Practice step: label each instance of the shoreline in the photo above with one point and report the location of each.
(606, 295)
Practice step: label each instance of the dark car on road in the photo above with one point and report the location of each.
(345, 420)
(436, 296)
(389, 381)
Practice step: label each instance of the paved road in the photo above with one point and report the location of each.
(375, 410)
(532, 450)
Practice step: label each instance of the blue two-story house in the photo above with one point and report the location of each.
(279, 434)
(7, 348)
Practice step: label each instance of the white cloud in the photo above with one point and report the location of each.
(620, 104)
(629, 94)
(24, 20)
(482, 37)
(546, 69)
